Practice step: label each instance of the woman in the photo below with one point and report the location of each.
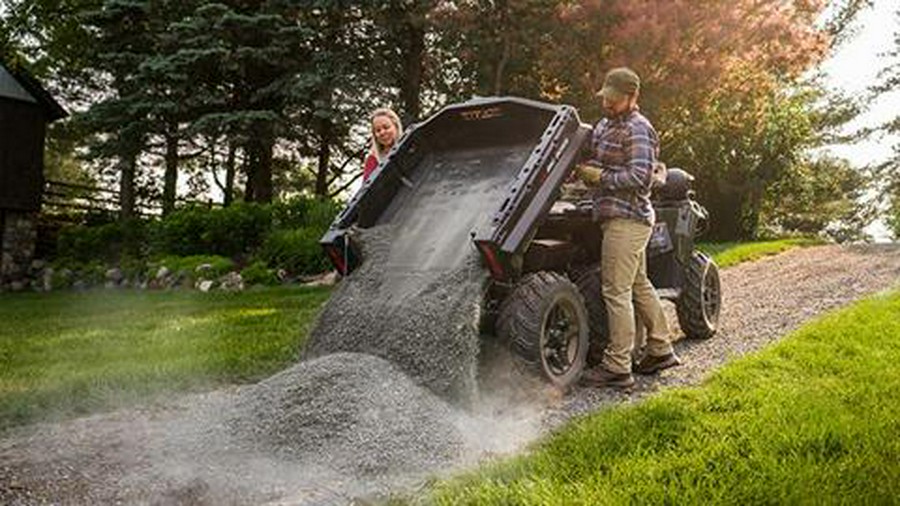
(386, 129)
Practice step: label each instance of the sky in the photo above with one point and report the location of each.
(855, 66)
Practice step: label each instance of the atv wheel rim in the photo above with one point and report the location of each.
(711, 297)
(560, 347)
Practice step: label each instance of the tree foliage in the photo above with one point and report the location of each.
(270, 98)
(889, 171)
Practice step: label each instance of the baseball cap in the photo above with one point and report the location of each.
(619, 83)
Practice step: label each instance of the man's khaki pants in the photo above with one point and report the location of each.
(627, 289)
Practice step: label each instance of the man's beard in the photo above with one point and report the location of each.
(609, 112)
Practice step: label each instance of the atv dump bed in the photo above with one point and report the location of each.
(513, 153)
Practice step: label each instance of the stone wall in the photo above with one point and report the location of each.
(19, 234)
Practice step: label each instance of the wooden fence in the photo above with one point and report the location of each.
(75, 203)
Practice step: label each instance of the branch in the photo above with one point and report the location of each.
(344, 186)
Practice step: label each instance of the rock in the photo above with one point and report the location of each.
(79, 284)
(174, 280)
(17, 286)
(47, 279)
(328, 279)
(163, 272)
(232, 282)
(203, 268)
(37, 265)
(205, 285)
(114, 275)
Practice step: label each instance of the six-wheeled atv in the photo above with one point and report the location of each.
(542, 251)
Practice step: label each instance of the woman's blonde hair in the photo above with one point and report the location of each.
(391, 115)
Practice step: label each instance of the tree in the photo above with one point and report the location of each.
(819, 195)
(499, 44)
(889, 171)
(723, 83)
(124, 40)
(270, 97)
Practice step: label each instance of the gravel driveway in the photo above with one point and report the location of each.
(762, 301)
(183, 453)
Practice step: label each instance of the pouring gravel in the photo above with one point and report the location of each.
(415, 300)
(424, 322)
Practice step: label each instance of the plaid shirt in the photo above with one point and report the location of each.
(625, 148)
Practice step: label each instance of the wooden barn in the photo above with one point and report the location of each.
(25, 111)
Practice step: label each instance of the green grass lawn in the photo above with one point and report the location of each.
(813, 419)
(727, 254)
(65, 353)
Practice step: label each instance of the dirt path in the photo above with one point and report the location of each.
(178, 454)
(763, 301)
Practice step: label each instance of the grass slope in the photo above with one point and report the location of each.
(811, 420)
(66, 353)
(727, 254)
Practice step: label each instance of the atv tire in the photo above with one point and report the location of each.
(701, 298)
(587, 280)
(546, 325)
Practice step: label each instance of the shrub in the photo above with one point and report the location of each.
(133, 268)
(231, 231)
(258, 274)
(296, 251)
(304, 212)
(237, 230)
(180, 233)
(282, 235)
(107, 242)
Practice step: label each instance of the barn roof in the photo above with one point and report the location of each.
(18, 84)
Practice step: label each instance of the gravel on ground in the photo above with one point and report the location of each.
(283, 442)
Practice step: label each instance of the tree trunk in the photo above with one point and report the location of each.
(263, 191)
(259, 165)
(250, 164)
(324, 158)
(170, 180)
(413, 52)
(726, 217)
(127, 172)
(229, 175)
(506, 48)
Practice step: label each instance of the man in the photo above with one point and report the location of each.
(625, 147)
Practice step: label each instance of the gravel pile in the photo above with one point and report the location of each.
(352, 413)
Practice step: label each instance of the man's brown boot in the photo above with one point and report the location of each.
(653, 364)
(601, 377)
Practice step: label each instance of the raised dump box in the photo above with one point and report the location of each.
(475, 147)
(488, 174)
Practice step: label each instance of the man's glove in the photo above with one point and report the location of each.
(659, 176)
(590, 174)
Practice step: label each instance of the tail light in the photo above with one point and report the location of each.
(492, 259)
(334, 253)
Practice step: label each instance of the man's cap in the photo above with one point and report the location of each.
(620, 83)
